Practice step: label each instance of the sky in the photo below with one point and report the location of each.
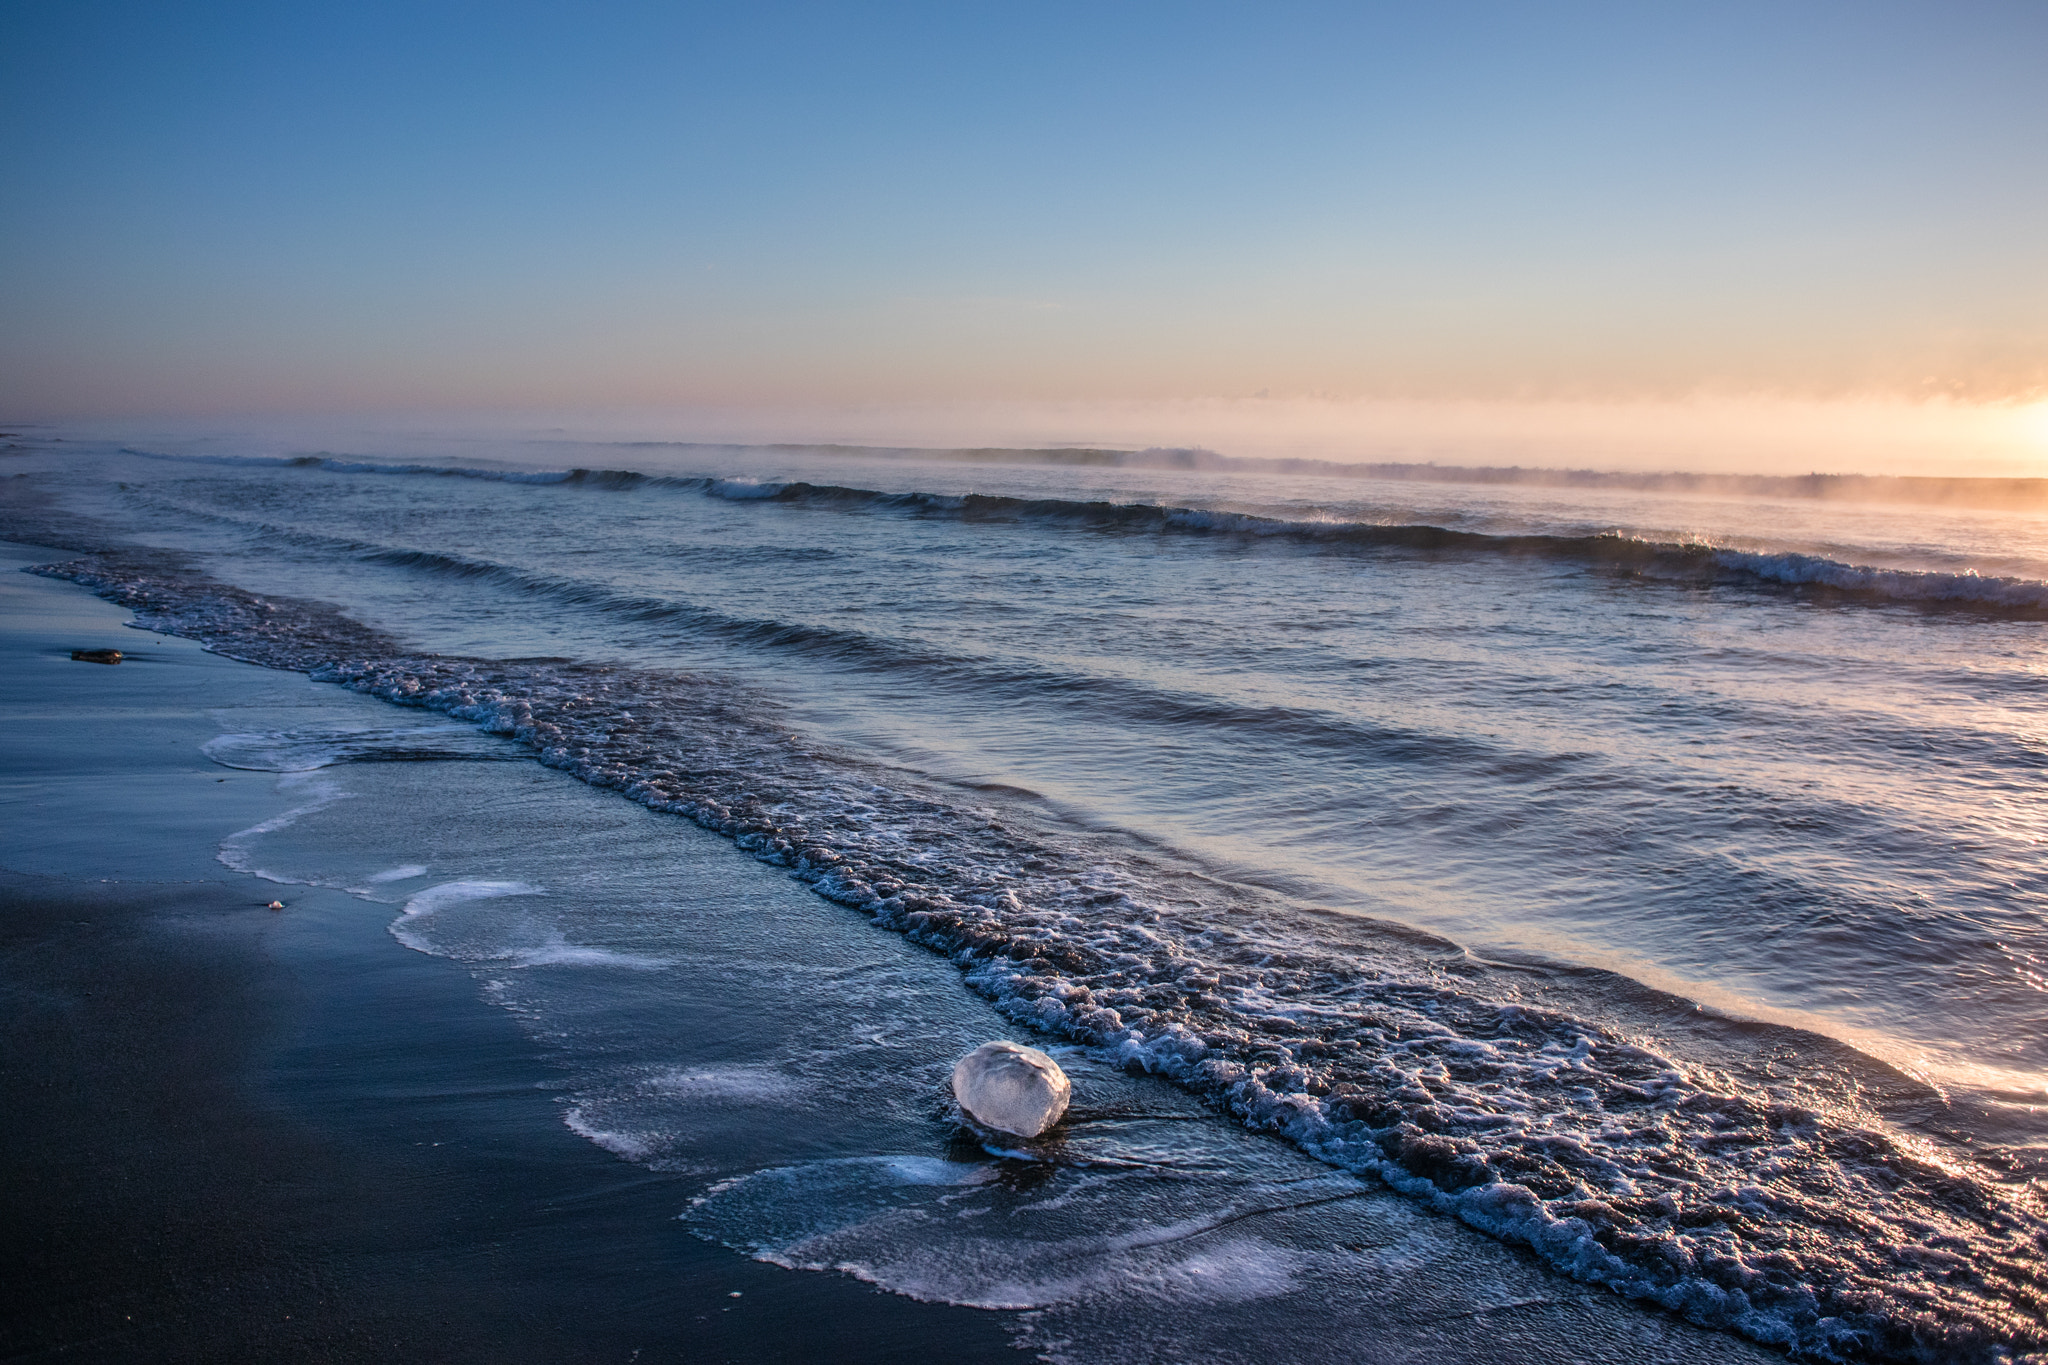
(1277, 226)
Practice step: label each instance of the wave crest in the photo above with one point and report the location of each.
(1612, 551)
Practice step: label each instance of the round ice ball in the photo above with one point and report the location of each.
(1011, 1088)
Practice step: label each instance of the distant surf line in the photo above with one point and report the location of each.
(1982, 493)
(1703, 561)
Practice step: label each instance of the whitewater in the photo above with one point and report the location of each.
(1650, 880)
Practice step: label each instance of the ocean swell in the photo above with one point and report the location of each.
(1775, 1208)
(1613, 551)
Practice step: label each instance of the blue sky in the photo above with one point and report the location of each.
(250, 207)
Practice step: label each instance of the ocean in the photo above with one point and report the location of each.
(1645, 876)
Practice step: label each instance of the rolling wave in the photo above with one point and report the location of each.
(1700, 562)
(1095, 694)
(1092, 695)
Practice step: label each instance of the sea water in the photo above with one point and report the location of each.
(1649, 881)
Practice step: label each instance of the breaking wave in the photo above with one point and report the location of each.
(1611, 551)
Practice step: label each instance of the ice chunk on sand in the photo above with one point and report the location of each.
(1011, 1088)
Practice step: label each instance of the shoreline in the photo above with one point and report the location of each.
(257, 1135)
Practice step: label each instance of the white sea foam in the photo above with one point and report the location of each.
(265, 752)
(918, 1227)
(397, 874)
(728, 1084)
(436, 898)
(236, 851)
(632, 1146)
(558, 952)
(417, 929)
(449, 920)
